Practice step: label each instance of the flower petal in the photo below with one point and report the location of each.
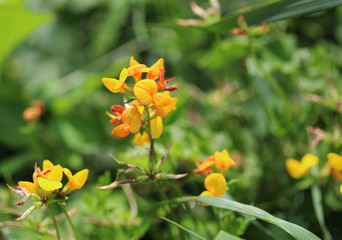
(216, 183)
(335, 161)
(48, 185)
(144, 90)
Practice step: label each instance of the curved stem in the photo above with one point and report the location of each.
(70, 222)
(54, 221)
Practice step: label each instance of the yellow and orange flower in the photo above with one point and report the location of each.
(115, 85)
(221, 160)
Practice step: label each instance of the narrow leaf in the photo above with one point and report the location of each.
(272, 12)
(222, 235)
(296, 231)
(183, 228)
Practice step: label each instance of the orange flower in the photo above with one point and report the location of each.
(31, 114)
(300, 169)
(204, 167)
(153, 72)
(75, 181)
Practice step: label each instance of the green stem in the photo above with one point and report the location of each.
(266, 74)
(70, 222)
(54, 221)
(149, 132)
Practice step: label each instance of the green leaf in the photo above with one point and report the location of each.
(184, 228)
(318, 207)
(222, 235)
(272, 12)
(16, 23)
(296, 231)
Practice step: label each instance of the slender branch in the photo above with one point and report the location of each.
(54, 221)
(70, 222)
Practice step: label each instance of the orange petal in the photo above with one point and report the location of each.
(132, 118)
(121, 130)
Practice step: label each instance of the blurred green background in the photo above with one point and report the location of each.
(58, 51)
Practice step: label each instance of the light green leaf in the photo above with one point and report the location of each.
(273, 12)
(222, 235)
(16, 23)
(296, 231)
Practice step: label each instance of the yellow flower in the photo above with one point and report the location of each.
(215, 184)
(115, 85)
(300, 169)
(335, 161)
(153, 72)
(341, 189)
(204, 167)
(49, 179)
(75, 181)
(223, 161)
(144, 91)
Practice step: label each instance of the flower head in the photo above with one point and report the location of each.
(300, 169)
(223, 161)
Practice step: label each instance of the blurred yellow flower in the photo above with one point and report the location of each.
(300, 169)
(223, 161)
(335, 161)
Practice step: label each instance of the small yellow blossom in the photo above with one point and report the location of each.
(300, 169)
(156, 131)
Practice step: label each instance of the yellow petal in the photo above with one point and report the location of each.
(48, 185)
(76, 181)
(144, 90)
(161, 99)
(335, 161)
(159, 64)
(341, 189)
(216, 183)
(56, 174)
(47, 165)
(29, 186)
(132, 118)
(309, 160)
(295, 168)
(133, 62)
(223, 161)
(163, 110)
(157, 127)
(121, 130)
(141, 140)
(112, 85)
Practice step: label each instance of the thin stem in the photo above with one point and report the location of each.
(70, 222)
(149, 132)
(54, 221)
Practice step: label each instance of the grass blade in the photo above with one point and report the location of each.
(183, 228)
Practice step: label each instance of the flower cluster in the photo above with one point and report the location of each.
(221, 160)
(46, 185)
(149, 101)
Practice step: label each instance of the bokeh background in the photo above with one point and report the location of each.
(58, 51)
